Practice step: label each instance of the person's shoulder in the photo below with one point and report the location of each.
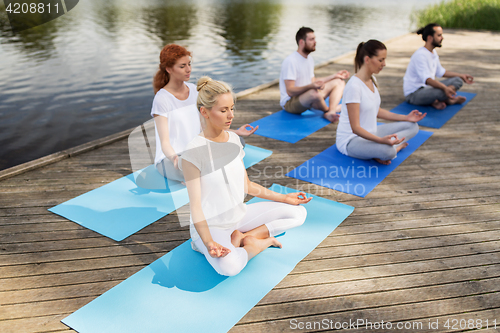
(353, 86)
(233, 137)
(294, 57)
(418, 52)
(190, 85)
(423, 51)
(161, 102)
(161, 95)
(354, 81)
(420, 55)
(288, 59)
(196, 142)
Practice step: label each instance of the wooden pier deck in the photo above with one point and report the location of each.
(423, 246)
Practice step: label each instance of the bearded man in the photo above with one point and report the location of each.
(419, 83)
(300, 90)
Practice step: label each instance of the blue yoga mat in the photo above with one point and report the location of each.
(285, 126)
(181, 292)
(123, 207)
(434, 118)
(337, 171)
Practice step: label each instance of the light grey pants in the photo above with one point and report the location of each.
(427, 95)
(361, 148)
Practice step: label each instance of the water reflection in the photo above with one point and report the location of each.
(88, 73)
(32, 13)
(170, 21)
(37, 41)
(246, 25)
(353, 16)
(107, 15)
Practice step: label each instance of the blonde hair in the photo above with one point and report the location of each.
(209, 90)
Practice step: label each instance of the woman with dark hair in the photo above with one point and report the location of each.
(358, 135)
(176, 117)
(223, 228)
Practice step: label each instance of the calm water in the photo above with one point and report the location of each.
(88, 73)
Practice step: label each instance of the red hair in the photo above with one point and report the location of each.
(168, 56)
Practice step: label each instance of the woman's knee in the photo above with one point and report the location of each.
(299, 215)
(233, 263)
(295, 215)
(388, 153)
(412, 129)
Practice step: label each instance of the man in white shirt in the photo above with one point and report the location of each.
(300, 90)
(419, 83)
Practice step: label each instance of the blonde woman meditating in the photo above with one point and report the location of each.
(358, 135)
(177, 120)
(223, 228)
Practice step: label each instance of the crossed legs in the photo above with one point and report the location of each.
(436, 97)
(316, 98)
(253, 234)
(361, 148)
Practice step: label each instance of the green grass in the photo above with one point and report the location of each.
(462, 14)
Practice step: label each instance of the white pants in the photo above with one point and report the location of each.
(276, 216)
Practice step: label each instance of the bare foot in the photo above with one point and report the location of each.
(237, 238)
(457, 100)
(275, 242)
(331, 116)
(438, 105)
(398, 148)
(260, 232)
(254, 245)
(401, 146)
(382, 161)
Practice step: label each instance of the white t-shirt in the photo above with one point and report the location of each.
(295, 67)
(222, 180)
(423, 65)
(356, 91)
(183, 119)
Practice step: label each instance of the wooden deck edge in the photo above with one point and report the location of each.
(55, 157)
(61, 155)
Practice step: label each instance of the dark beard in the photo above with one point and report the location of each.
(308, 50)
(436, 44)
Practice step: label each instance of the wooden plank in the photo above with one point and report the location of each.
(404, 312)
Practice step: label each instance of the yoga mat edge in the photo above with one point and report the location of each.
(168, 294)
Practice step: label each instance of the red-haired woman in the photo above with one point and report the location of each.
(177, 120)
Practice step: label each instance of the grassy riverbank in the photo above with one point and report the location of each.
(463, 14)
